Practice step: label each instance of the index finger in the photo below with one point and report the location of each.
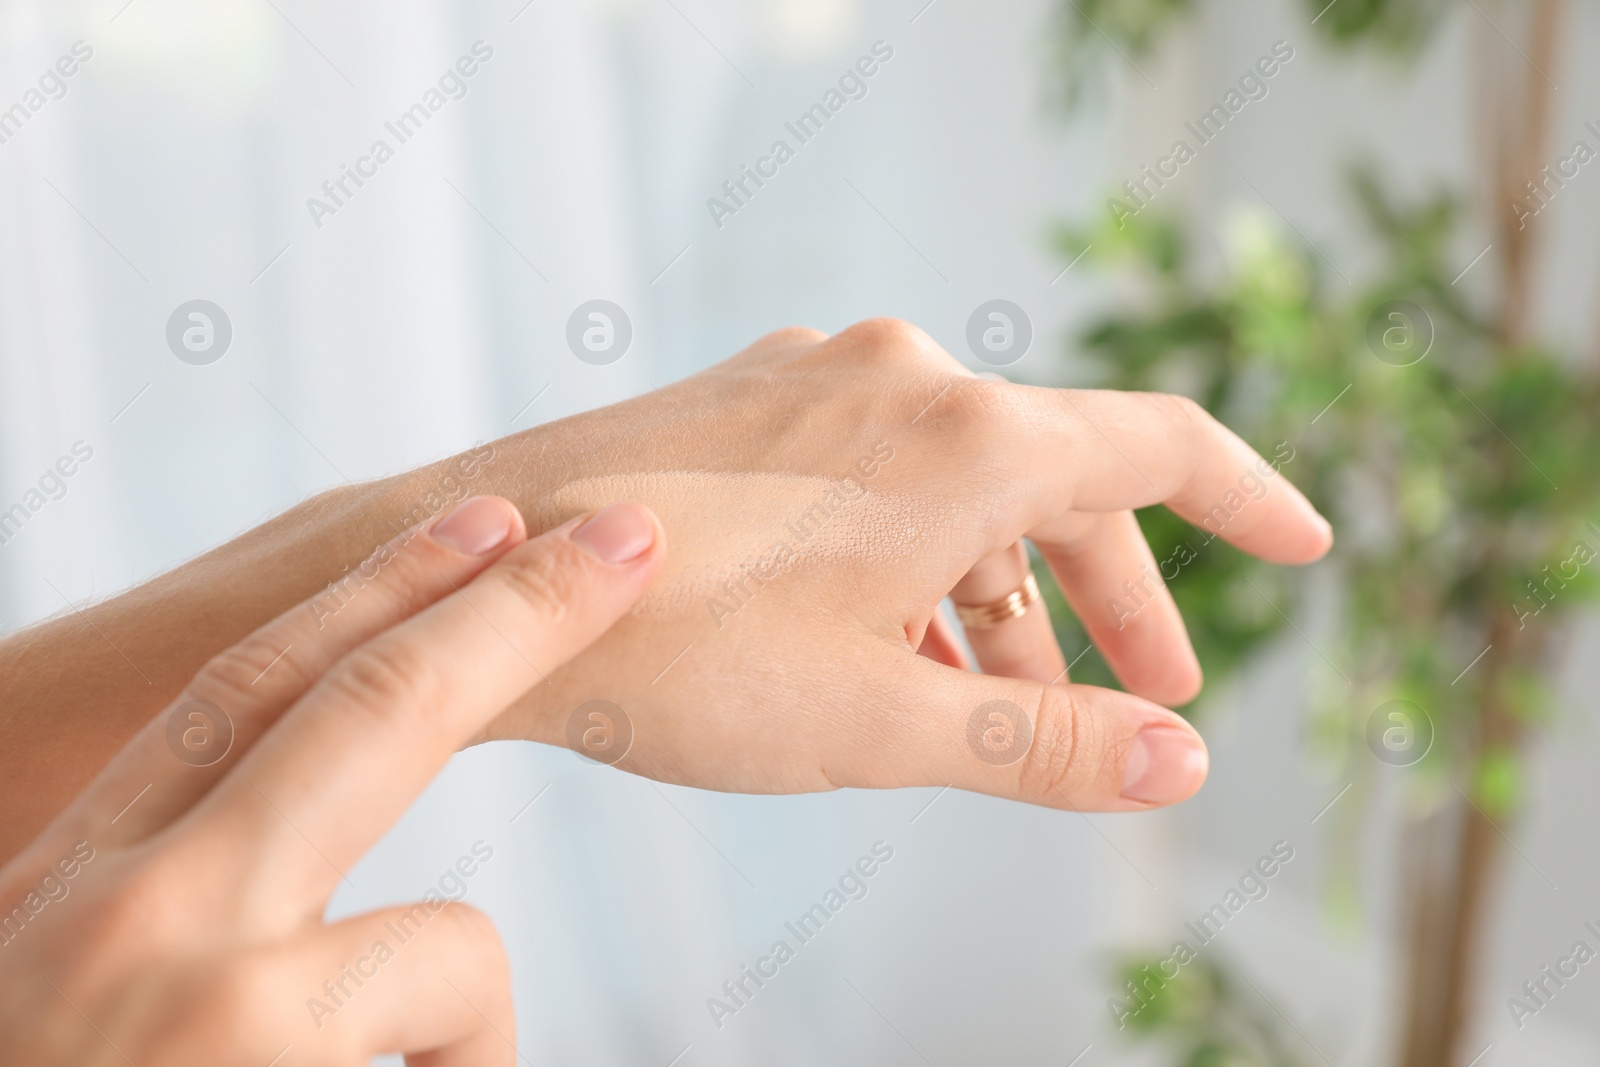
(1131, 450)
(343, 764)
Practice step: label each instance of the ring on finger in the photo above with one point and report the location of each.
(1013, 605)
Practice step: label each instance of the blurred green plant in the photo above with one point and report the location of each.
(1440, 475)
(1453, 453)
(1202, 1015)
(1087, 28)
(1088, 31)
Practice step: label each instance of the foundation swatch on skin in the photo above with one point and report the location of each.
(722, 527)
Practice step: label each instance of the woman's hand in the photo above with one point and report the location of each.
(173, 913)
(822, 495)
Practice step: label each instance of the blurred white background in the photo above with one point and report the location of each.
(430, 310)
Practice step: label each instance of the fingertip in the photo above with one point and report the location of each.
(479, 525)
(1304, 542)
(1179, 685)
(1191, 678)
(621, 534)
(1324, 538)
(1166, 764)
(1166, 673)
(1313, 544)
(1318, 532)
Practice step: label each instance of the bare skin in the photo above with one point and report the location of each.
(893, 476)
(187, 928)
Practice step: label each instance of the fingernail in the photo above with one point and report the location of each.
(475, 526)
(1165, 766)
(618, 533)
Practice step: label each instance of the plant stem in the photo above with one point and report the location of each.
(1450, 884)
(1519, 143)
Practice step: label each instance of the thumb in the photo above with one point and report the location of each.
(1076, 747)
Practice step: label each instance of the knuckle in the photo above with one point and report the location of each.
(386, 678)
(778, 348)
(481, 938)
(791, 336)
(988, 402)
(1188, 423)
(977, 412)
(886, 338)
(229, 678)
(474, 925)
(1184, 413)
(1064, 764)
(543, 580)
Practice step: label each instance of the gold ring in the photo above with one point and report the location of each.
(1013, 605)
